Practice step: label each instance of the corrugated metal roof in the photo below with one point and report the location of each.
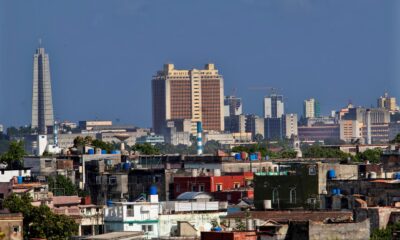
(193, 195)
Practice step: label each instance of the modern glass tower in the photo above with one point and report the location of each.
(42, 103)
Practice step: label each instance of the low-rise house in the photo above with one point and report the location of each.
(298, 185)
(315, 225)
(162, 219)
(11, 226)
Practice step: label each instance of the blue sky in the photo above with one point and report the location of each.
(104, 53)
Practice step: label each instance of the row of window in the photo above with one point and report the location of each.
(292, 196)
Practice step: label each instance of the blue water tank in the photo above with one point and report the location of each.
(253, 157)
(127, 165)
(153, 190)
(114, 152)
(334, 191)
(103, 151)
(237, 156)
(397, 175)
(91, 151)
(110, 203)
(331, 174)
(117, 152)
(267, 157)
(338, 191)
(217, 229)
(19, 179)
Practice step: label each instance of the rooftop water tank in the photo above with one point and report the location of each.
(110, 203)
(127, 165)
(253, 156)
(267, 204)
(91, 151)
(153, 190)
(331, 174)
(113, 152)
(372, 175)
(19, 178)
(237, 156)
(103, 151)
(217, 229)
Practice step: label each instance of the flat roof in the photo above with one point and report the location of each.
(116, 235)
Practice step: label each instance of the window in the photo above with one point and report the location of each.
(236, 185)
(193, 188)
(112, 180)
(130, 211)
(275, 196)
(16, 229)
(311, 200)
(201, 188)
(147, 228)
(219, 187)
(130, 224)
(312, 171)
(292, 196)
(177, 188)
(47, 163)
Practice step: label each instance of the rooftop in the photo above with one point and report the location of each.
(294, 215)
(116, 235)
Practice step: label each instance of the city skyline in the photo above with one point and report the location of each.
(79, 67)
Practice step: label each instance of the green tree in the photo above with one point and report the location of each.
(62, 186)
(372, 155)
(317, 151)
(145, 149)
(40, 222)
(14, 156)
(80, 141)
(103, 145)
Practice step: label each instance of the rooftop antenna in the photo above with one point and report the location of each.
(40, 42)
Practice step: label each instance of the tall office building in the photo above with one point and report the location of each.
(42, 103)
(255, 125)
(232, 106)
(387, 102)
(273, 106)
(290, 125)
(311, 108)
(193, 94)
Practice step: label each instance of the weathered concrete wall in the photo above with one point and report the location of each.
(200, 221)
(343, 171)
(378, 216)
(185, 229)
(353, 231)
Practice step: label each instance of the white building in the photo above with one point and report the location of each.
(160, 219)
(309, 108)
(290, 125)
(7, 175)
(133, 216)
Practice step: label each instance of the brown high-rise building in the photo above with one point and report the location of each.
(193, 94)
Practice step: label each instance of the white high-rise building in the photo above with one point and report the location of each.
(311, 108)
(290, 125)
(42, 103)
(273, 106)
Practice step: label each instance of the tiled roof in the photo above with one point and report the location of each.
(66, 200)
